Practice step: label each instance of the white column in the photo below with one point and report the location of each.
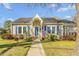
(14, 30)
(51, 29)
(11, 29)
(17, 29)
(30, 29)
(55, 29)
(62, 30)
(22, 30)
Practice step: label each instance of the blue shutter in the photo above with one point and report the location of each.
(44, 28)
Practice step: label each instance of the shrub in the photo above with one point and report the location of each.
(21, 36)
(53, 37)
(69, 37)
(7, 36)
(2, 31)
(29, 39)
(47, 36)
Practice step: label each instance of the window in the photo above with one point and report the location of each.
(58, 30)
(44, 28)
(53, 29)
(19, 30)
(48, 30)
(28, 27)
(24, 29)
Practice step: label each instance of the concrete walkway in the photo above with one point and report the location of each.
(36, 49)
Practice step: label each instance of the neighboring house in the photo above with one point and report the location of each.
(35, 26)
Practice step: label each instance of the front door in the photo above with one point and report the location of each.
(36, 31)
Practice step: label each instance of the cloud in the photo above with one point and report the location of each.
(67, 16)
(52, 5)
(69, 7)
(62, 9)
(10, 19)
(73, 7)
(7, 6)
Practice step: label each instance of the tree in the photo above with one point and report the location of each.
(77, 22)
(2, 31)
(7, 25)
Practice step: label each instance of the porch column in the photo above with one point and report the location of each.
(14, 30)
(22, 30)
(31, 30)
(17, 30)
(55, 29)
(11, 29)
(41, 29)
(51, 29)
(61, 30)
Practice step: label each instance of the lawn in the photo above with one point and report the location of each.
(59, 48)
(11, 48)
(19, 50)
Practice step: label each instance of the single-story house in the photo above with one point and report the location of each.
(36, 26)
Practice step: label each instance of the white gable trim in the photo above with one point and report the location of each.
(37, 16)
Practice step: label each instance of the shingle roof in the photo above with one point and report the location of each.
(22, 20)
(65, 21)
(45, 20)
(50, 20)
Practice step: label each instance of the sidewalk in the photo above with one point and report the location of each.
(36, 49)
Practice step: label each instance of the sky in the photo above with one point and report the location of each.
(13, 11)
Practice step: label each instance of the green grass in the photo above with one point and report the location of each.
(2, 49)
(59, 48)
(0, 38)
(19, 50)
(11, 48)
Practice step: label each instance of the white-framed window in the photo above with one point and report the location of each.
(44, 28)
(20, 30)
(48, 29)
(53, 30)
(24, 29)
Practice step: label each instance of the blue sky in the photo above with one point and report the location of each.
(17, 10)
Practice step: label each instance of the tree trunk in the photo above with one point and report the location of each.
(77, 22)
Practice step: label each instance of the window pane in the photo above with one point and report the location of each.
(48, 30)
(28, 28)
(44, 28)
(24, 29)
(19, 30)
(58, 30)
(53, 29)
